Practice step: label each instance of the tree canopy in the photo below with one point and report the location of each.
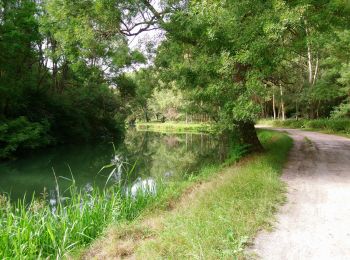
(67, 71)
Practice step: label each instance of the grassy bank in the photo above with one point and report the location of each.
(175, 127)
(330, 126)
(214, 218)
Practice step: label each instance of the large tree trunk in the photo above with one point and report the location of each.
(249, 136)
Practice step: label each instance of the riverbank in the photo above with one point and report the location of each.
(176, 127)
(60, 219)
(327, 126)
(215, 214)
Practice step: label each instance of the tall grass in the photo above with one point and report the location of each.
(38, 229)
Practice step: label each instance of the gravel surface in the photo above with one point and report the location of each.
(315, 221)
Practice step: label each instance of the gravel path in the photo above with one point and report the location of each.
(315, 221)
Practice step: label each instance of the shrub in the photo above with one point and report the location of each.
(342, 111)
(332, 125)
(22, 134)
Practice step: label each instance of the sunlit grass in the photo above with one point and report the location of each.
(176, 127)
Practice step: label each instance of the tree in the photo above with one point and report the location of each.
(167, 103)
(59, 66)
(146, 80)
(306, 30)
(220, 51)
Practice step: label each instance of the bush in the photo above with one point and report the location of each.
(330, 125)
(86, 113)
(342, 111)
(22, 134)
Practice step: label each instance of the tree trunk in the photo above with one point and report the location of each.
(249, 136)
(316, 71)
(274, 106)
(282, 104)
(145, 114)
(309, 53)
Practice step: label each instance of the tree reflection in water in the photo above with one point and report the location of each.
(158, 156)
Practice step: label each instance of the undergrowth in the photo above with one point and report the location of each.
(340, 126)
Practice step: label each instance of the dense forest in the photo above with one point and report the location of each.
(67, 72)
(60, 65)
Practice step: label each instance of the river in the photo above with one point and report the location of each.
(145, 155)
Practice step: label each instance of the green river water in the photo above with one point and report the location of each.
(155, 155)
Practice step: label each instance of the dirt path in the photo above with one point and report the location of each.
(315, 221)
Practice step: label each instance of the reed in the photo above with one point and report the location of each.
(52, 227)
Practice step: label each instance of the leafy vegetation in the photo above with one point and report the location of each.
(68, 65)
(237, 62)
(340, 126)
(54, 87)
(22, 134)
(68, 74)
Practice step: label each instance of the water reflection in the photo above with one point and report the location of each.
(158, 156)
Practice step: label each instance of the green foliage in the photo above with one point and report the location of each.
(223, 54)
(342, 111)
(341, 126)
(20, 134)
(60, 63)
(167, 102)
(313, 57)
(144, 82)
